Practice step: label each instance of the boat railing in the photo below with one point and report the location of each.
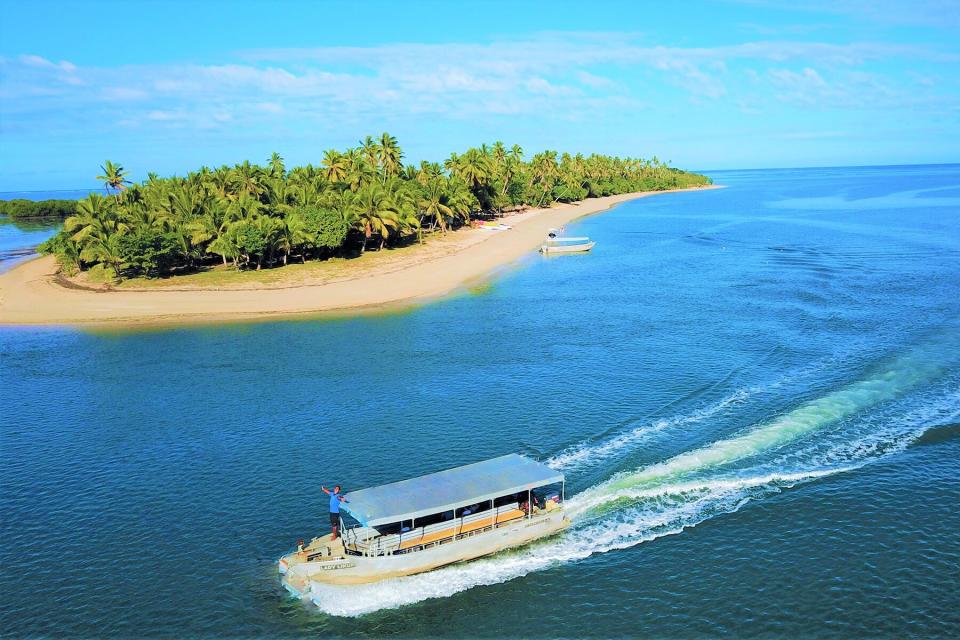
(437, 534)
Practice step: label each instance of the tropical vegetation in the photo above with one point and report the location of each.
(20, 208)
(249, 216)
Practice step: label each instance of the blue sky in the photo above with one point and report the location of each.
(169, 86)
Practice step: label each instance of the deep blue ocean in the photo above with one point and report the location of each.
(754, 394)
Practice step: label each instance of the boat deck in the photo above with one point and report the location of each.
(318, 550)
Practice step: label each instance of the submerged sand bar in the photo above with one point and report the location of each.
(30, 294)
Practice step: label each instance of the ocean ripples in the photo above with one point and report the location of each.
(756, 411)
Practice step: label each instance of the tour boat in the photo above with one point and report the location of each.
(424, 523)
(555, 243)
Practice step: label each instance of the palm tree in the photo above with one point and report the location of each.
(474, 167)
(360, 170)
(433, 204)
(404, 202)
(277, 170)
(225, 246)
(375, 214)
(461, 201)
(94, 213)
(96, 229)
(209, 227)
(296, 234)
(104, 248)
(370, 151)
(114, 178)
(391, 157)
(335, 164)
(452, 164)
(245, 179)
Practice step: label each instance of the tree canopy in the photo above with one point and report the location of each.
(254, 216)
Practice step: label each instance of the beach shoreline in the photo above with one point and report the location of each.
(32, 293)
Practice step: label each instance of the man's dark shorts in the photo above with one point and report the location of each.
(334, 519)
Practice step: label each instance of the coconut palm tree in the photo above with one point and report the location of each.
(376, 214)
(434, 205)
(335, 165)
(104, 247)
(245, 179)
(94, 214)
(114, 178)
(275, 163)
(390, 155)
(370, 152)
(475, 168)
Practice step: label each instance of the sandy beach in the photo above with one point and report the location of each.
(31, 293)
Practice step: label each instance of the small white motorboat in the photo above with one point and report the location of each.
(555, 243)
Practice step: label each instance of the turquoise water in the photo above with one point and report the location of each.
(754, 393)
(18, 238)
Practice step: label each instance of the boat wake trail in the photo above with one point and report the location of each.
(592, 453)
(839, 432)
(588, 454)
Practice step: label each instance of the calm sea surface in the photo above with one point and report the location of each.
(19, 237)
(754, 394)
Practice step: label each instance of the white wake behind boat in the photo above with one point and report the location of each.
(424, 523)
(555, 243)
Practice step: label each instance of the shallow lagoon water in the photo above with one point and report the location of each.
(753, 392)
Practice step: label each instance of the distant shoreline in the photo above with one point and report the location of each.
(33, 294)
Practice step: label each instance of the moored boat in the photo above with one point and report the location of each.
(424, 523)
(555, 243)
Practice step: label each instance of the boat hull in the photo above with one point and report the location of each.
(360, 569)
(573, 248)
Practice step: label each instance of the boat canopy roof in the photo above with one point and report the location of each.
(446, 490)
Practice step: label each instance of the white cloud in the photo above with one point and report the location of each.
(551, 76)
(37, 61)
(807, 87)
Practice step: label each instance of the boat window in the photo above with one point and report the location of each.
(473, 508)
(388, 529)
(394, 528)
(513, 498)
(436, 518)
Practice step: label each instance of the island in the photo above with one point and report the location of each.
(362, 230)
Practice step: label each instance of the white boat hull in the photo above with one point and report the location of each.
(570, 248)
(298, 578)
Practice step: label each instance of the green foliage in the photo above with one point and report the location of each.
(64, 248)
(323, 228)
(148, 251)
(38, 209)
(256, 216)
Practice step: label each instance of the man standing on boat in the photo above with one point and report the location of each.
(335, 500)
